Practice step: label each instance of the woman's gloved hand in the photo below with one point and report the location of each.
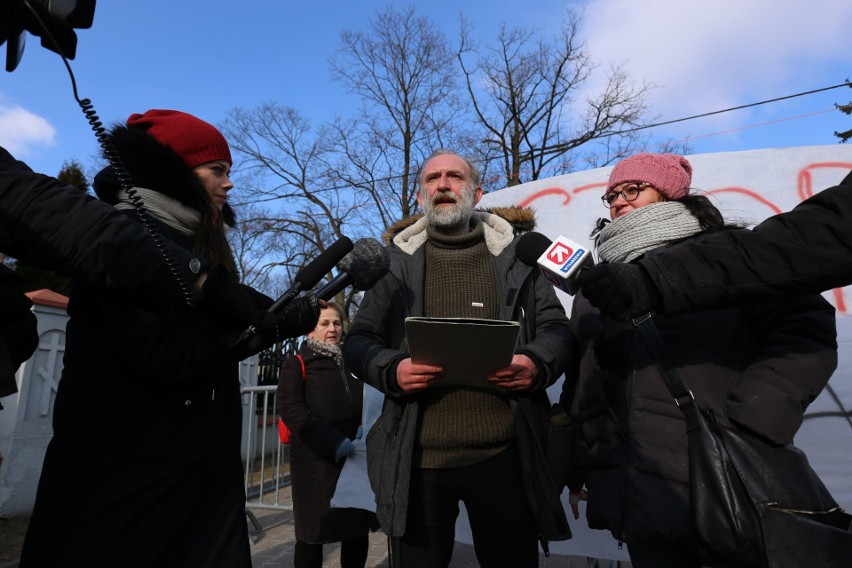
(245, 310)
(620, 291)
(344, 450)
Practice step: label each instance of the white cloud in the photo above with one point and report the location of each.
(714, 55)
(21, 130)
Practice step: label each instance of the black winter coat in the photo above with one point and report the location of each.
(806, 250)
(144, 468)
(758, 366)
(321, 409)
(52, 225)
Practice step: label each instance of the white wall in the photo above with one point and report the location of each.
(26, 421)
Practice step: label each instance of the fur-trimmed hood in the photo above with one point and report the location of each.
(501, 225)
(153, 166)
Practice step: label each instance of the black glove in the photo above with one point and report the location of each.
(299, 317)
(241, 307)
(620, 291)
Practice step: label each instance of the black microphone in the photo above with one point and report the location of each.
(306, 278)
(361, 268)
(309, 275)
(531, 246)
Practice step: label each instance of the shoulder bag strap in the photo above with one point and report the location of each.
(671, 374)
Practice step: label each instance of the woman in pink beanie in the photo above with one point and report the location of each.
(756, 368)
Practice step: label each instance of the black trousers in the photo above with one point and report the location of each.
(502, 524)
(353, 553)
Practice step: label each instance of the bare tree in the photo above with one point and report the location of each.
(522, 92)
(283, 165)
(402, 71)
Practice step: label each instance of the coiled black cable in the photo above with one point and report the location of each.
(124, 177)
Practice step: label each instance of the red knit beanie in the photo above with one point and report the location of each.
(669, 173)
(194, 140)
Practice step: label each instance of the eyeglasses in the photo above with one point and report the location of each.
(628, 192)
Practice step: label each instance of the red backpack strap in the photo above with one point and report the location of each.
(283, 430)
(302, 363)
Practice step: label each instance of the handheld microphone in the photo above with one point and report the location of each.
(306, 278)
(361, 268)
(559, 261)
(309, 275)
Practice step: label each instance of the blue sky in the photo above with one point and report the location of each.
(207, 57)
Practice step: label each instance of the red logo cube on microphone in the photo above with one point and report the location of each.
(559, 253)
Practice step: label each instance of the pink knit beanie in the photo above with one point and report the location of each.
(669, 173)
(195, 141)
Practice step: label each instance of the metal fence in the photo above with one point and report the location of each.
(266, 458)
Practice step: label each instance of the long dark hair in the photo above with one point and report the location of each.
(708, 215)
(210, 240)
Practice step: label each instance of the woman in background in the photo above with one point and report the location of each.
(320, 402)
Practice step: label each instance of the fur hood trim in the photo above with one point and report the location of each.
(156, 167)
(501, 225)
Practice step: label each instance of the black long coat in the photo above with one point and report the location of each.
(144, 468)
(758, 366)
(321, 409)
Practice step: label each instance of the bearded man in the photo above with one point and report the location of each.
(437, 445)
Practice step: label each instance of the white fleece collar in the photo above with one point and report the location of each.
(499, 233)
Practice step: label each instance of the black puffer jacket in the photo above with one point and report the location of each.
(803, 251)
(144, 468)
(321, 408)
(758, 366)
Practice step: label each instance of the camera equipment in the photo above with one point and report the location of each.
(52, 20)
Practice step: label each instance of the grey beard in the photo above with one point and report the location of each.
(450, 217)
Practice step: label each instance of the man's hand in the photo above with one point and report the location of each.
(574, 498)
(414, 377)
(620, 291)
(519, 375)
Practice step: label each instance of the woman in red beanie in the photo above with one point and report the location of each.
(757, 367)
(144, 468)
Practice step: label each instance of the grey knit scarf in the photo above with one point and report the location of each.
(329, 350)
(629, 237)
(166, 209)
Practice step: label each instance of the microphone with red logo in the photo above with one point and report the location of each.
(559, 261)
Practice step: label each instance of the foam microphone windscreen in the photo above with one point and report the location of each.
(366, 264)
(530, 247)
